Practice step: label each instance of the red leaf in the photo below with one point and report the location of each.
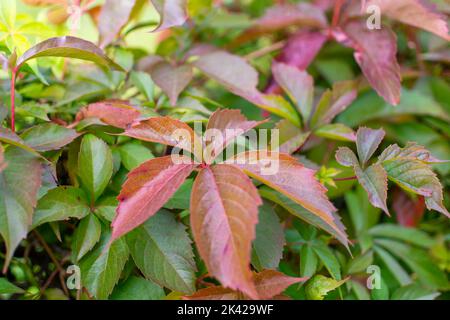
(271, 283)
(146, 190)
(268, 283)
(171, 79)
(230, 124)
(173, 13)
(292, 179)
(164, 130)
(286, 15)
(418, 13)
(116, 113)
(378, 63)
(224, 213)
(408, 211)
(113, 17)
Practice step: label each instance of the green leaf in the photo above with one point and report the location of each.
(318, 287)
(144, 84)
(394, 267)
(95, 165)
(360, 263)
(375, 181)
(382, 293)
(106, 208)
(300, 212)
(69, 47)
(308, 261)
(367, 142)
(9, 137)
(8, 13)
(427, 271)
(133, 154)
(86, 236)
(414, 292)
(182, 197)
(328, 259)
(136, 288)
(162, 250)
(7, 287)
(409, 235)
(360, 291)
(48, 136)
(61, 204)
(19, 185)
(336, 131)
(269, 242)
(101, 268)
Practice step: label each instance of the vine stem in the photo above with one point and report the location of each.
(13, 99)
(337, 12)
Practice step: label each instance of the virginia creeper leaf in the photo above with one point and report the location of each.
(418, 13)
(136, 288)
(113, 17)
(173, 13)
(380, 65)
(374, 180)
(95, 165)
(224, 213)
(48, 136)
(146, 190)
(172, 79)
(19, 185)
(336, 131)
(161, 248)
(408, 210)
(367, 142)
(229, 124)
(115, 113)
(86, 236)
(102, 267)
(69, 47)
(61, 204)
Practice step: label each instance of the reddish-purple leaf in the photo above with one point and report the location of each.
(116, 113)
(113, 17)
(268, 283)
(225, 126)
(286, 15)
(367, 142)
(409, 212)
(301, 49)
(418, 13)
(289, 177)
(299, 85)
(146, 190)
(346, 157)
(271, 283)
(224, 214)
(172, 12)
(171, 79)
(231, 71)
(375, 52)
(164, 130)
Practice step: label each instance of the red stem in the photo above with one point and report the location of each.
(337, 12)
(345, 179)
(13, 99)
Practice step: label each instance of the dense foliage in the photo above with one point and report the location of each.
(99, 95)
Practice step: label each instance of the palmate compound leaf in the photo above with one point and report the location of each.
(146, 190)
(224, 213)
(418, 13)
(379, 64)
(409, 167)
(19, 185)
(166, 130)
(268, 284)
(373, 179)
(286, 175)
(69, 47)
(224, 126)
(162, 250)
